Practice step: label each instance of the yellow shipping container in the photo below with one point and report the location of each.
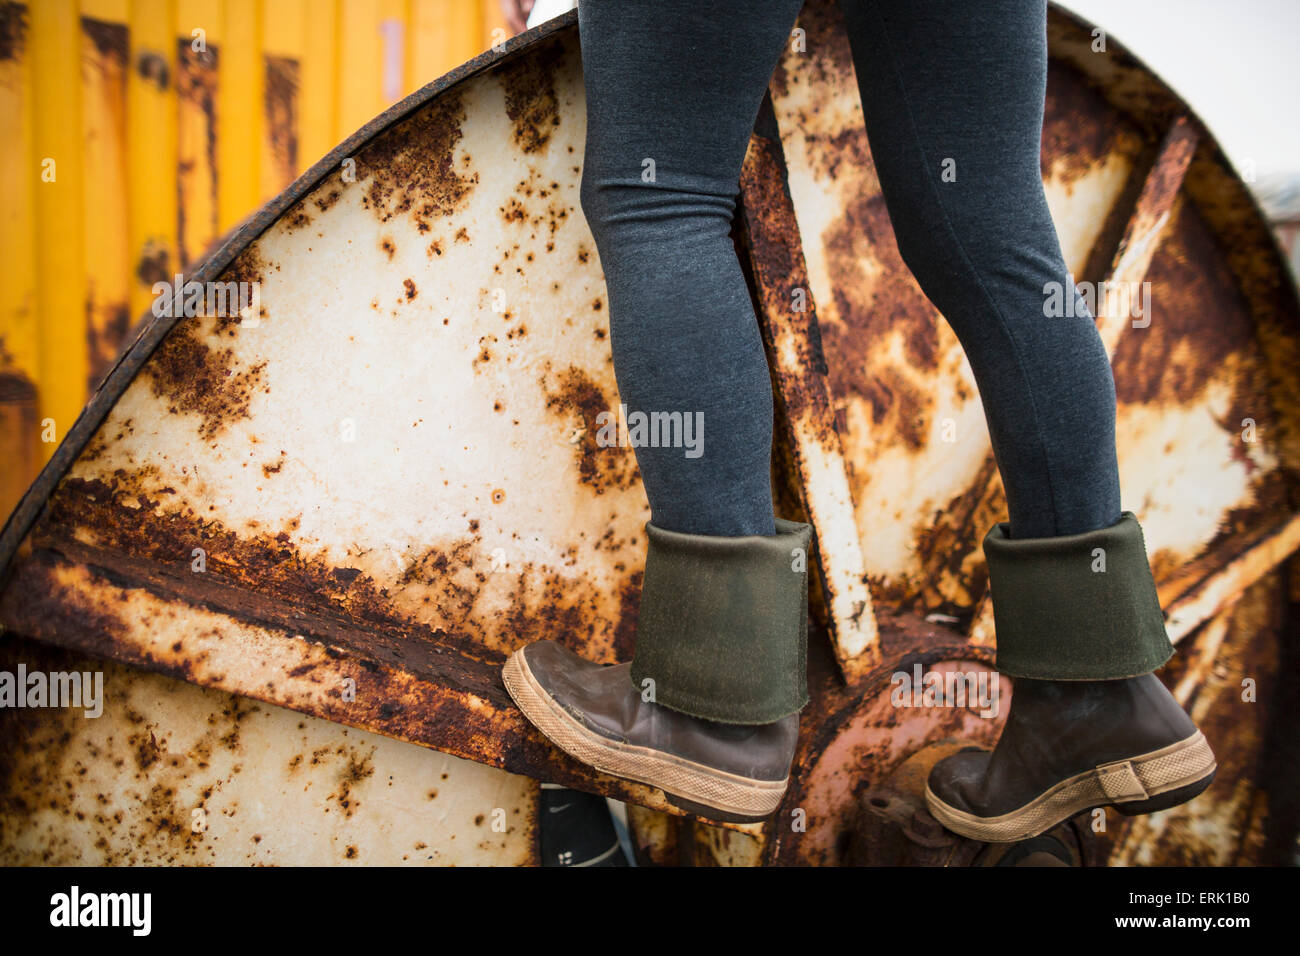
(133, 133)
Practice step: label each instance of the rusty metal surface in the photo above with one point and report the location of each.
(1228, 679)
(852, 735)
(152, 331)
(404, 525)
(894, 828)
(174, 774)
(809, 441)
(395, 482)
(1140, 192)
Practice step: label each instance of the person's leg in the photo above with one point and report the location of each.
(673, 89)
(708, 708)
(953, 95)
(953, 98)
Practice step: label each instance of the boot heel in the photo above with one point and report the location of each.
(1166, 800)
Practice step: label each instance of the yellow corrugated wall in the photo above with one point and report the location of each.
(134, 132)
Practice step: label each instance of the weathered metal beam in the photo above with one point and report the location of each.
(1213, 593)
(417, 689)
(788, 318)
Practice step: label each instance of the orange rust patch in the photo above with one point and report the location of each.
(105, 334)
(513, 211)
(875, 296)
(193, 377)
(1199, 319)
(531, 101)
(576, 399)
(410, 166)
(324, 200)
(280, 105)
(1079, 127)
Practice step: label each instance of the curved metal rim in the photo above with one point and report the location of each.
(155, 328)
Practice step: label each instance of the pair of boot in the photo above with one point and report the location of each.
(708, 711)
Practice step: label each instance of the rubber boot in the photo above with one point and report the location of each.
(1080, 630)
(708, 709)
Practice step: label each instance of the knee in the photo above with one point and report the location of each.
(951, 254)
(625, 210)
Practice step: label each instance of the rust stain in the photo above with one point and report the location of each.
(410, 166)
(875, 298)
(356, 771)
(1080, 129)
(193, 377)
(531, 101)
(110, 39)
(406, 688)
(775, 271)
(251, 269)
(153, 69)
(196, 85)
(576, 400)
(124, 514)
(154, 264)
(105, 337)
(42, 753)
(326, 197)
(1199, 320)
(827, 49)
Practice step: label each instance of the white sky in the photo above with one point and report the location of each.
(1235, 62)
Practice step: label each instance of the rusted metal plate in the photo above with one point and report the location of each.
(1207, 394)
(395, 481)
(173, 774)
(855, 735)
(854, 738)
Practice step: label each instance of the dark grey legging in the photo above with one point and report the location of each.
(673, 90)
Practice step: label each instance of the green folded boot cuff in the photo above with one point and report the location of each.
(723, 626)
(1076, 607)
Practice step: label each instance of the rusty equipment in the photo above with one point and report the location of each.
(388, 477)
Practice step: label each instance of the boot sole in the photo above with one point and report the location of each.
(1144, 784)
(691, 786)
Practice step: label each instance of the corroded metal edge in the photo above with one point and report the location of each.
(154, 329)
(80, 598)
(776, 270)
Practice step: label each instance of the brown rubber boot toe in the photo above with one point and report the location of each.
(1069, 747)
(594, 713)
